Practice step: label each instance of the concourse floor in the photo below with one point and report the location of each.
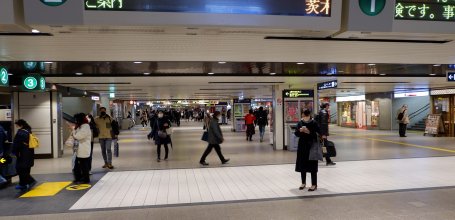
(138, 153)
(373, 168)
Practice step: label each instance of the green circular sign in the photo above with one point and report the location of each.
(53, 2)
(29, 66)
(42, 83)
(30, 83)
(4, 76)
(372, 7)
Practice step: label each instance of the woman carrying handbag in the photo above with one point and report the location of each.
(82, 135)
(309, 150)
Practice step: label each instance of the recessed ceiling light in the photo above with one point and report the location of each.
(300, 63)
(48, 62)
(432, 74)
(211, 73)
(79, 74)
(137, 62)
(382, 74)
(10, 74)
(146, 74)
(35, 31)
(272, 74)
(221, 62)
(371, 64)
(437, 65)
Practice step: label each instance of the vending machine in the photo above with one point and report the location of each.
(241, 108)
(295, 102)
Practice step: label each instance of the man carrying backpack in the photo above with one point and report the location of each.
(403, 119)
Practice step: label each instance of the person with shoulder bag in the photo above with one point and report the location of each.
(161, 135)
(309, 150)
(25, 155)
(403, 120)
(215, 138)
(82, 135)
(104, 126)
(323, 121)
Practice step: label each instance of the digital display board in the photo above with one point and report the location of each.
(298, 93)
(319, 8)
(328, 85)
(429, 10)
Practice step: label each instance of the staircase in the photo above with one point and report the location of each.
(419, 126)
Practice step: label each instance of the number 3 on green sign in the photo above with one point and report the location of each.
(30, 83)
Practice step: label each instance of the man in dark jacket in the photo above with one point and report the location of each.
(262, 121)
(215, 138)
(323, 121)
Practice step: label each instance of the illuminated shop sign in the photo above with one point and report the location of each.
(411, 94)
(425, 10)
(298, 93)
(351, 98)
(320, 8)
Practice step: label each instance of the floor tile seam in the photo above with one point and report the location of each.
(239, 182)
(211, 171)
(266, 199)
(193, 176)
(199, 185)
(99, 194)
(142, 186)
(118, 189)
(270, 181)
(261, 184)
(228, 179)
(137, 190)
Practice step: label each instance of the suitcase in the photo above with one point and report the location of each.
(331, 150)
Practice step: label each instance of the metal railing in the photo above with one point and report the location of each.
(420, 111)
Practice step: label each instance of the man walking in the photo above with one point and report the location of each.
(262, 122)
(215, 138)
(323, 121)
(403, 120)
(104, 125)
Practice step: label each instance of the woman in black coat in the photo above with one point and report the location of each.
(161, 137)
(307, 131)
(24, 154)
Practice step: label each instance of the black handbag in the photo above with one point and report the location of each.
(316, 150)
(205, 136)
(331, 150)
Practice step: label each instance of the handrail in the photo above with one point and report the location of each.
(420, 111)
(333, 115)
(426, 107)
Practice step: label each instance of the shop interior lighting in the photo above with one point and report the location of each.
(350, 98)
(35, 31)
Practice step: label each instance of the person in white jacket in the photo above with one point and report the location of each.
(82, 135)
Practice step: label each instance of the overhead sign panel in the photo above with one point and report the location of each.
(33, 83)
(428, 10)
(320, 8)
(4, 78)
(451, 76)
(298, 93)
(328, 85)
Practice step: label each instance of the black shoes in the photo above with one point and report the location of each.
(302, 187)
(203, 163)
(225, 161)
(331, 164)
(313, 188)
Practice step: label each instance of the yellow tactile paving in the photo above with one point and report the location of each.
(402, 143)
(46, 189)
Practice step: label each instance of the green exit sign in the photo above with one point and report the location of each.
(33, 83)
(4, 79)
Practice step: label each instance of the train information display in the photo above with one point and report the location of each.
(319, 8)
(425, 10)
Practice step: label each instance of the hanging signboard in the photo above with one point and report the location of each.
(319, 8)
(451, 76)
(4, 78)
(298, 93)
(428, 10)
(33, 83)
(328, 85)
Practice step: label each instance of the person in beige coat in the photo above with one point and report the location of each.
(104, 126)
(403, 120)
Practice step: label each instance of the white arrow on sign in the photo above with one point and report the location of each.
(451, 77)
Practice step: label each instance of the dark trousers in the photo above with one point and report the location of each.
(91, 157)
(327, 159)
(209, 149)
(81, 170)
(402, 129)
(24, 176)
(314, 178)
(166, 151)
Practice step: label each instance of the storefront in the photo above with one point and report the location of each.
(357, 112)
(443, 103)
